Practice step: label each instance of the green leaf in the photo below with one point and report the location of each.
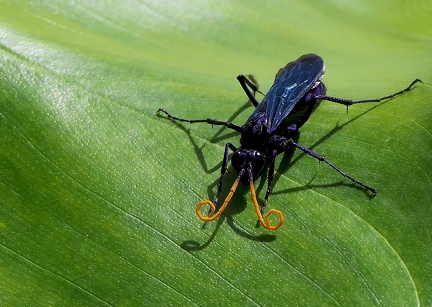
(98, 194)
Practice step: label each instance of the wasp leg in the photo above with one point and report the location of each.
(349, 102)
(321, 158)
(245, 82)
(210, 121)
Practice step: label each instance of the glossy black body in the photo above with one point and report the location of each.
(284, 109)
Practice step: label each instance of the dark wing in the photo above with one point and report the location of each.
(291, 83)
(257, 113)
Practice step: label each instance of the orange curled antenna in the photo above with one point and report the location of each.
(266, 223)
(212, 215)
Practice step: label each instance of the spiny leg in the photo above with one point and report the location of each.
(321, 158)
(349, 102)
(208, 121)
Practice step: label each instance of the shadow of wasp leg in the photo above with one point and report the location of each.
(321, 158)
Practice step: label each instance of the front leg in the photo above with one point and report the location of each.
(224, 169)
(212, 214)
(270, 178)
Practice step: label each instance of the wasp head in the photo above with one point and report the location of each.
(243, 158)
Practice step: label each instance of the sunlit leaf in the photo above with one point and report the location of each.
(98, 194)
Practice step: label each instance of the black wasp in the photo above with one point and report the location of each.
(270, 129)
